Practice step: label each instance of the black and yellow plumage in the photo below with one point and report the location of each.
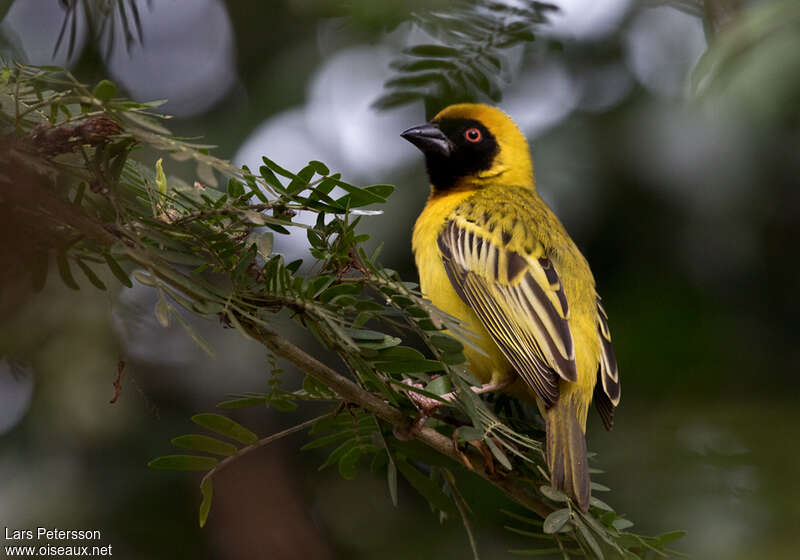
(490, 252)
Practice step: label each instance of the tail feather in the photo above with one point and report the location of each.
(566, 454)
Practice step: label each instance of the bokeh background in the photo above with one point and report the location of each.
(686, 206)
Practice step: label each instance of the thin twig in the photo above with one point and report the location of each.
(462, 510)
(265, 441)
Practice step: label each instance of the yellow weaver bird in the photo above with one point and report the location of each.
(491, 253)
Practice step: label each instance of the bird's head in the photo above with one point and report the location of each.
(468, 145)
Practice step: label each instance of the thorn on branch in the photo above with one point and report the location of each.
(118, 381)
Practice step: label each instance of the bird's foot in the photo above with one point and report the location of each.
(491, 387)
(426, 405)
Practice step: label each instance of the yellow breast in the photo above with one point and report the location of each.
(490, 366)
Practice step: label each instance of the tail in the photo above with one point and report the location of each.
(566, 453)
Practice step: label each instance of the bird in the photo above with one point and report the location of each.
(491, 253)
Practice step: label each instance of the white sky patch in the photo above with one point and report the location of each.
(187, 56)
(586, 19)
(540, 98)
(33, 26)
(664, 44)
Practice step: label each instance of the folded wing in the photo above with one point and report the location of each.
(519, 298)
(607, 388)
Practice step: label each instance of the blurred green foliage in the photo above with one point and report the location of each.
(468, 63)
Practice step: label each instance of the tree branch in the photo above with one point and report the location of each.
(352, 393)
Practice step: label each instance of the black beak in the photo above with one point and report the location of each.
(429, 138)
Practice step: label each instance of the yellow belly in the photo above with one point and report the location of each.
(490, 366)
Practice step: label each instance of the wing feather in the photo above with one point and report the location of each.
(519, 299)
(607, 389)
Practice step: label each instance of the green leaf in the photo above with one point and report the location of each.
(446, 343)
(283, 405)
(454, 358)
(197, 442)
(410, 366)
(317, 285)
(253, 217)
(387, 342)
(391, 479)
(277, 168)
(93, 278)
(196, 337)
(225, 426)
(176, 257)
(552, 494)
(294, 265)
(315, 388)
(498, 453)
(555, 521)
(523, 518)
(117, 271)
(666, 538)
(469, 433)
(264, 244)
(327, 440)
(339, 452)
(412, 65)
(301, 180)
(245, 263)
(357, 197)
(207, 491)
(432, 51)
(403, 353)
(589, 539)
(349, 462)
(319, 167)
(270, 178)
(425, 486)
(439, 385)
(105, 90)
(383, 190)
(243, 402)
(363, 334)
(338, 290)
(598, 503)
(622, 524)
(235, 188)
(183, 463)
(65, 272)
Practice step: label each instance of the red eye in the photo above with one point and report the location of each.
(473, 135)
